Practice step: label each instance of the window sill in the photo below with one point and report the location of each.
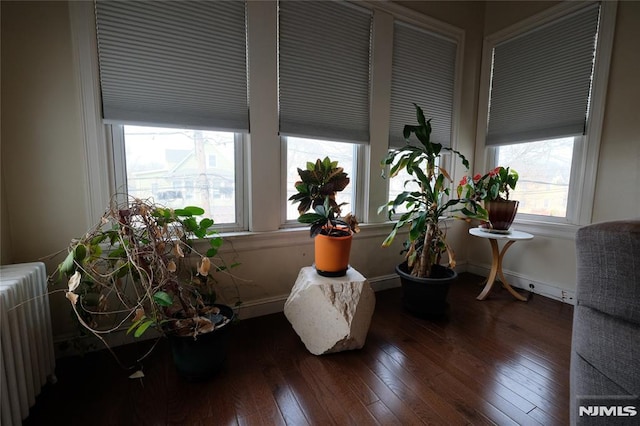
(565, 231)
(287, 237)
(377, 232)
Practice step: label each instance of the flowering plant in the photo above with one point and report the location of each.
(492, 186)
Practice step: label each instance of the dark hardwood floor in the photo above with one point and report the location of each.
(499, 361)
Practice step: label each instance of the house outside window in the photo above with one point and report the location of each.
(301, 150)
(174, 168)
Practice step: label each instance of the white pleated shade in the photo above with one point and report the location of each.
(324, 50)
(174, 63)
(423, 73)
(541, 81)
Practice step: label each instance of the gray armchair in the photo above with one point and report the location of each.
(605, 349)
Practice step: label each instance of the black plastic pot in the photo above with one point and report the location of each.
(201, 358)
(426, 297)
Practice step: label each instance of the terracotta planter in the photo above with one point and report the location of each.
(332, 254)
(426, 297)
(501, 213)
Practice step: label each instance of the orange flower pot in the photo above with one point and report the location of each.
(332, 255)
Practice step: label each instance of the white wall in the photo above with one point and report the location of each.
(618, 184)
(42, 151)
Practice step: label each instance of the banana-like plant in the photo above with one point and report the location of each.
(426, 206)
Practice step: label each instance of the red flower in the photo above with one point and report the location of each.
(463, 181)
(477, 177)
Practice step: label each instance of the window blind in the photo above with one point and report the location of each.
(541, 81)
(324, 49)
(174, 63)
(423, 72)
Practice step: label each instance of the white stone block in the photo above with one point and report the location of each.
(330, 314)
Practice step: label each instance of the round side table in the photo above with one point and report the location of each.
(498, 255)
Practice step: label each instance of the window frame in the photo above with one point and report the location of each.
(117, 147)
(585, 160)
(571, 217)
(356, 180)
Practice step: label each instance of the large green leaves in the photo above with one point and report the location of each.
(189, 211)
(423, 206)
(140, 326)
(73, 258)
(215, 244)
(163, 298)
(319, 182)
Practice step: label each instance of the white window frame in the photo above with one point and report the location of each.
(586, 149)
(117, 146)
(571, 217)
(104, 143)
(356, 206)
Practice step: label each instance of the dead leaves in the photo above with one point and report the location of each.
(74, 282)
(204, 266)
(72, 297)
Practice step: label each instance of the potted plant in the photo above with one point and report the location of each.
(425, 281)
(142, 268)
(492, 189)
(317, 188)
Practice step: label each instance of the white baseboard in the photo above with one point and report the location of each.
(261, 307)
(384, 282)
(272, 305)
(550, 290)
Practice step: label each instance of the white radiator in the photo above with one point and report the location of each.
(27, 358)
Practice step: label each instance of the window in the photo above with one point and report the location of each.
(174, 167)
(546, 84)
(403, 181)
(324, 79)
(423, 71)
(186, 71)
(324, 67)
(544, 168)
(300, 151)
(312, 76)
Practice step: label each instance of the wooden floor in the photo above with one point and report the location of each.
(499, 361)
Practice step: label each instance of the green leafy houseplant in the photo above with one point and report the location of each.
(317, 188)
(493, 186)
(425, 206)
(140, 267)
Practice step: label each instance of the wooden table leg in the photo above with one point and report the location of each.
(496, 269)
(495, 256)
